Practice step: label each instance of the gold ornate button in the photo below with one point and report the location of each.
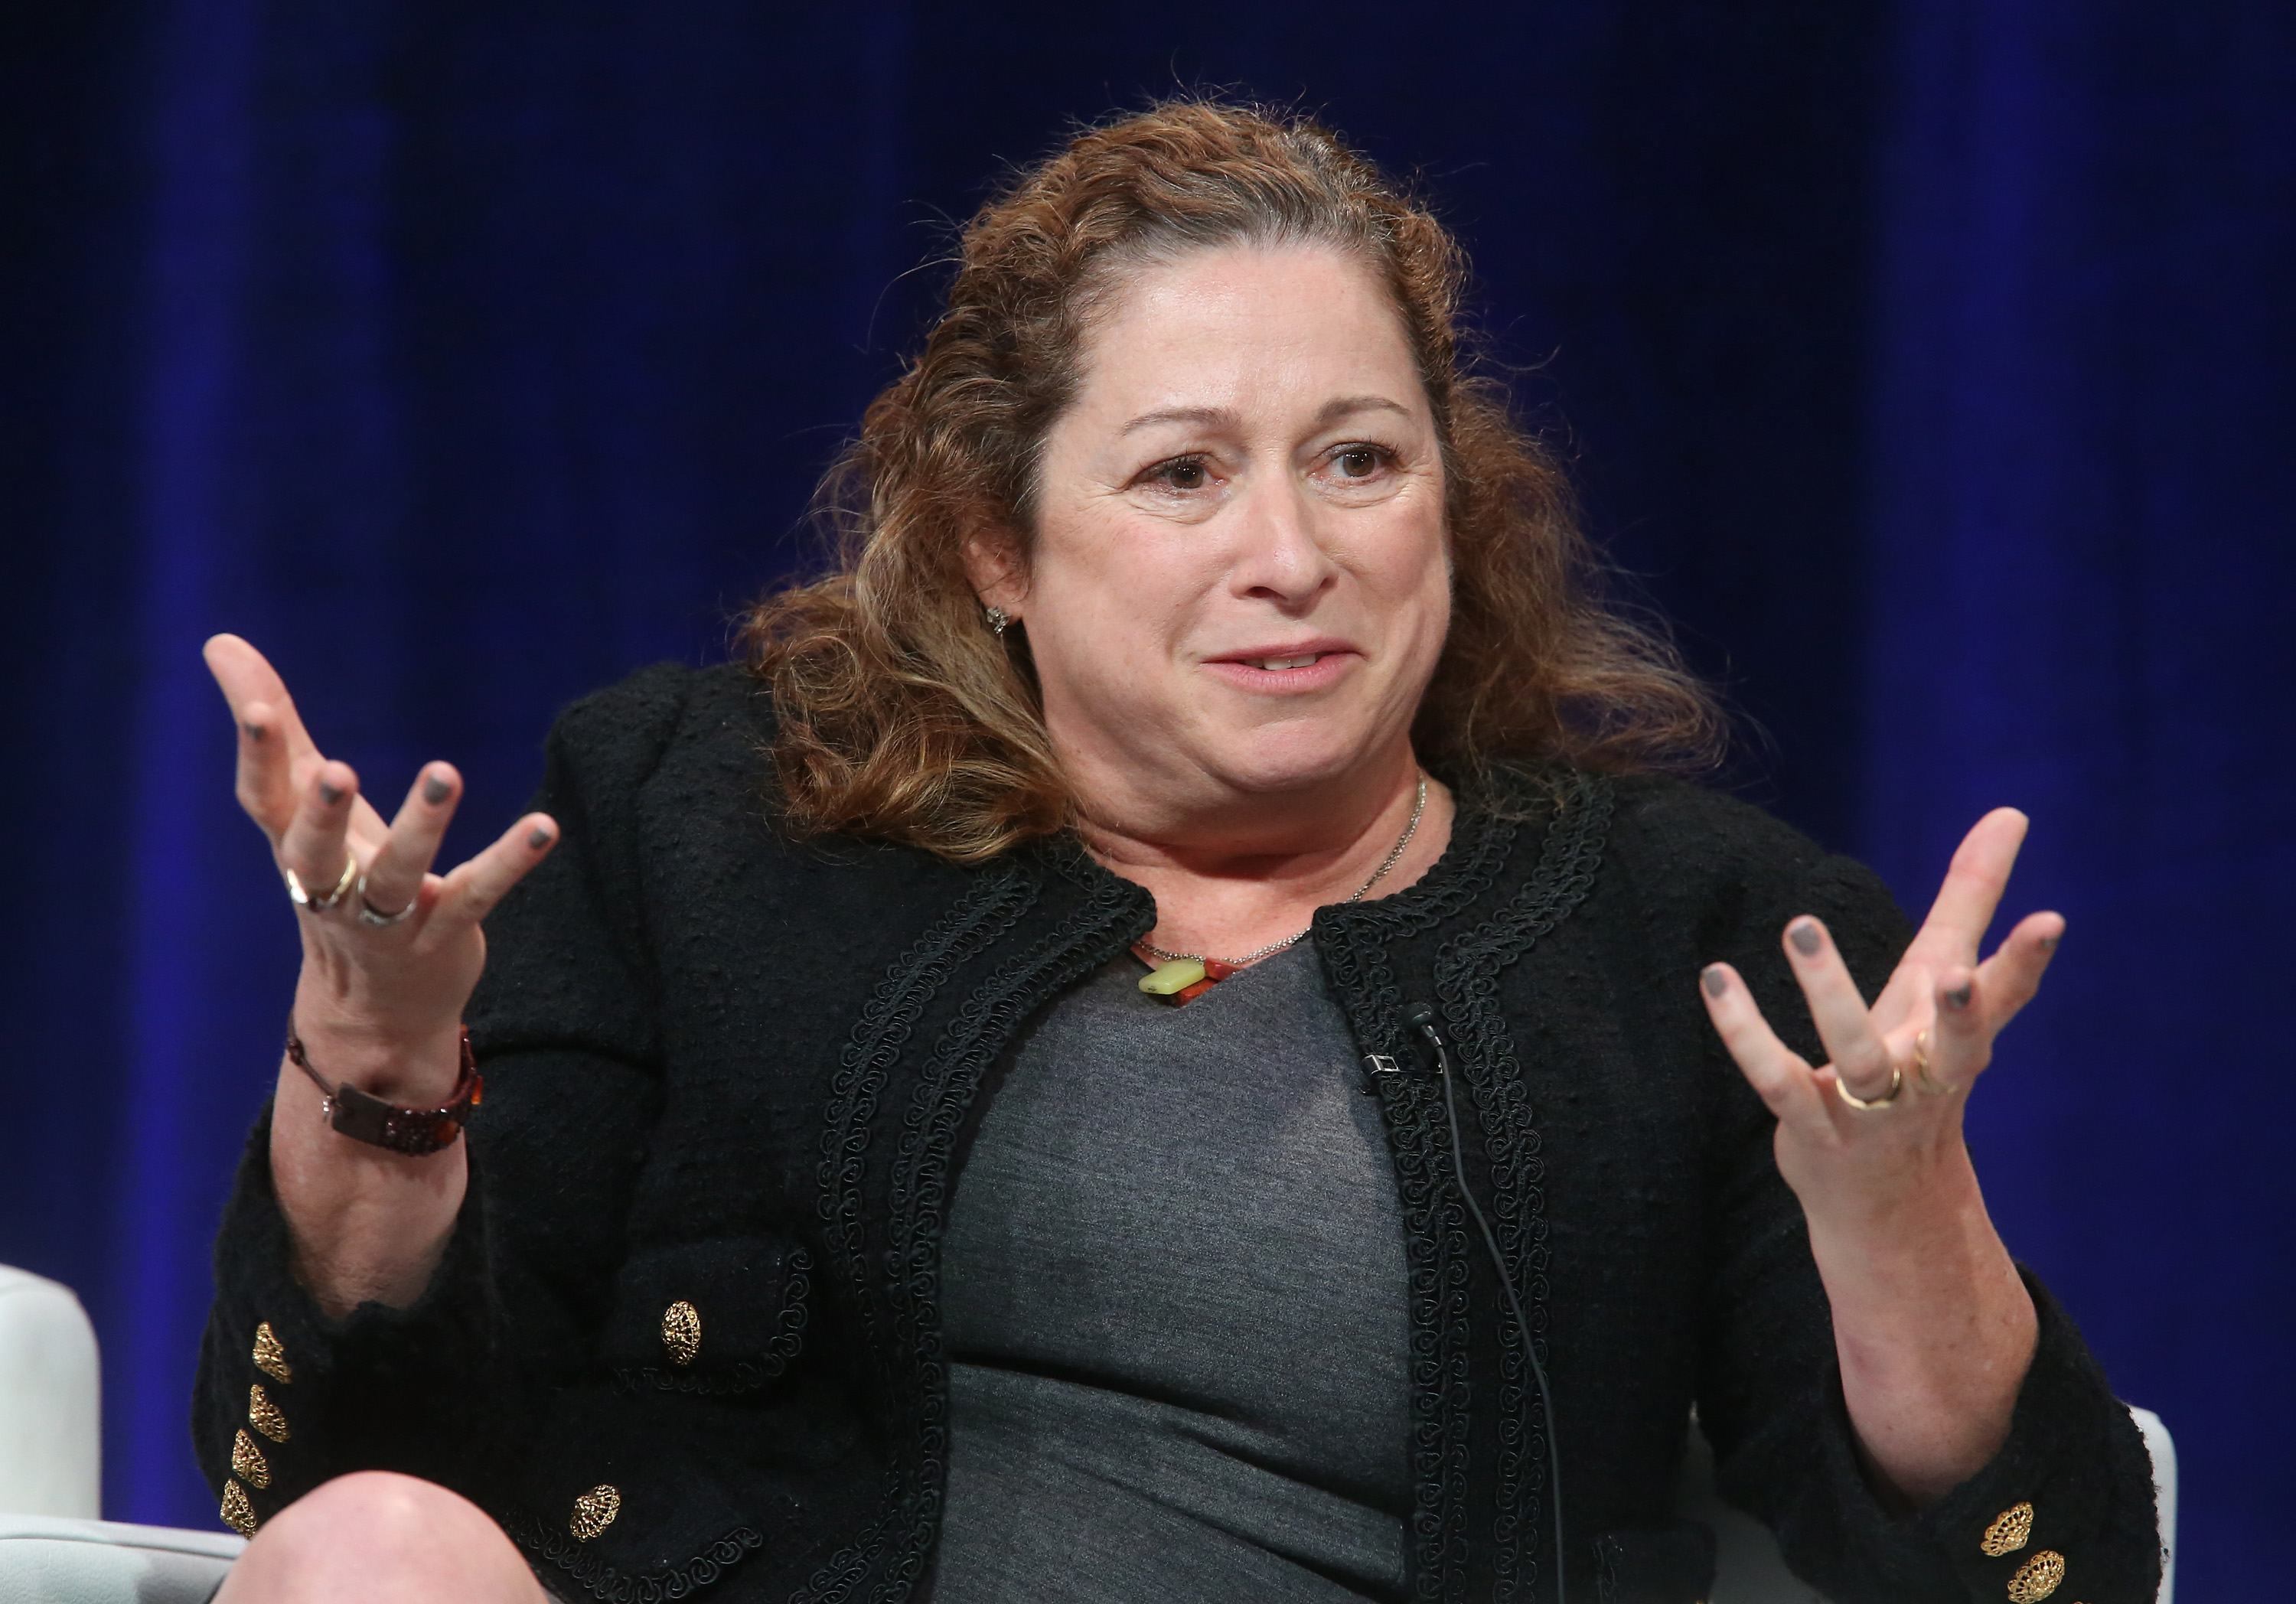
(681, 1332)
(247, 1462)
(263, 1415)
(269, 1358)
(594, 1511)
(2008, 1532)
(2036, 1578)
(237, 1513)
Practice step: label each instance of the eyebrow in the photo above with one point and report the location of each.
(1330, 413)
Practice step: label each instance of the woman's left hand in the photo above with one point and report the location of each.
(1934, 1327)
(1916, 1051)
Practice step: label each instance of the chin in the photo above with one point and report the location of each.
(1263, 760)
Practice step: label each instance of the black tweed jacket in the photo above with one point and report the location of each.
(685, 1340)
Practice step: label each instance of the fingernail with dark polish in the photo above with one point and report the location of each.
(254, 730)
(1716, 981)
(1805, 939)
(2049, 943)
(330, 794)
(434, 790)
(1958, 997)
(538, 839)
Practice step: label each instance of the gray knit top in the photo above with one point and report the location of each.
(1175, 1309)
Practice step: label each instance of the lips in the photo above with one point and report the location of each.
(1301, 666)
(1277, 656)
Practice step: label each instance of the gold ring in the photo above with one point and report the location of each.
(319, 905)
(1896, 1084)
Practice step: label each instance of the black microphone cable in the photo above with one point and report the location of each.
(1422, 1017)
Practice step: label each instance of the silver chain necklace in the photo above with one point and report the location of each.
(1394, 856)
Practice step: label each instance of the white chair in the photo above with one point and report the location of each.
(53, 1550)
(45, 1560)
(51, 1401)
(1749, 1570)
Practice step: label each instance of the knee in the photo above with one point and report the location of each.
(375, 1533)
(379, 1509)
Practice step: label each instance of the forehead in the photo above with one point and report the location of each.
(1233, 327)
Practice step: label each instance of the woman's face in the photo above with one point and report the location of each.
(1239, 583)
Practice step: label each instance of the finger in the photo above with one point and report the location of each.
(265, 783)
(271, 731)
(1781, 1076)
(1845, 1024)
(246, 676)
(394, 873)
(2013, 975)
(1971, 891)
(472, 891)
(1961, 1039)
(316, 844)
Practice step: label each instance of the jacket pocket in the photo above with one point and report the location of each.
(635, 1500)
(721, 1317)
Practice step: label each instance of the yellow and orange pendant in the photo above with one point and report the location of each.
(1179, 981)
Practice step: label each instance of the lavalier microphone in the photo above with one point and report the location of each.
(1421, 1018)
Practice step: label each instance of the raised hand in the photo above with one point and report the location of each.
(1933, 1326)
(1913, 1055)
(391, 954)
(390, 950)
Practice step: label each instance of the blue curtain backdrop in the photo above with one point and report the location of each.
(1934, 369)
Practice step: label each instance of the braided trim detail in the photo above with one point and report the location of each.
(1115, 912)
(988, 909)
(1466, 988)
(1355, 937)
(603, 1581)
(1355, 943)
(841, 1576)
(749, 1374)
(1436, 1248)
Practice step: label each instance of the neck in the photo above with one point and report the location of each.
(1247, 870)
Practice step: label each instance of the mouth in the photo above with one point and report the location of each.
(1310, 665)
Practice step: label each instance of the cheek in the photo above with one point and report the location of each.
(1104, 607)
(1411, 566)
(1418, 600)
(1106, 574)
(1430, 624)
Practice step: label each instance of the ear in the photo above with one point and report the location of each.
(992, 563)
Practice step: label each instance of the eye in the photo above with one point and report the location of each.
(1357, 463)
(1181, 473)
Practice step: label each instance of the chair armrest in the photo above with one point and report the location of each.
(61, 1561)
(50, 1407)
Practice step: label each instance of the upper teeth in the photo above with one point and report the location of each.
(1289, 662)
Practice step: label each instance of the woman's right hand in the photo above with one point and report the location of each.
(385, 1001)
(379, 1004)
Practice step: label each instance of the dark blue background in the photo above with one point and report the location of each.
(1933, 369)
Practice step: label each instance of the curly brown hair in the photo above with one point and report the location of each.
(901, 718)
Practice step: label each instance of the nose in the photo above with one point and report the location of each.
(1278, 556)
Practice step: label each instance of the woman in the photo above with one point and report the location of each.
(844, 1219)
